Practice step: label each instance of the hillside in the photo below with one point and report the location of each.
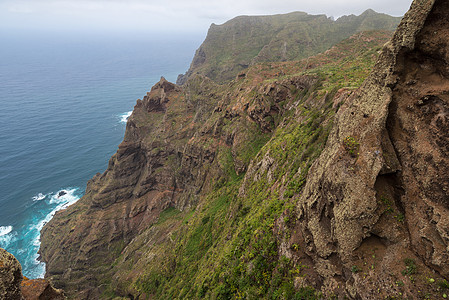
(188, 148)
(246, 40)
(307, 179)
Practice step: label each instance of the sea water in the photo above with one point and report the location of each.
(64, 102)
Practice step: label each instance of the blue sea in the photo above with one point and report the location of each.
(64, 101)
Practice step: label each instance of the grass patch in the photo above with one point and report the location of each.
(167, 214)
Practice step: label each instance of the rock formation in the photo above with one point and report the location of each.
(14, 286)
(40, 289)
(10, 276)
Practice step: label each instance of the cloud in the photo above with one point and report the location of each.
(169, 15)
(20, 9)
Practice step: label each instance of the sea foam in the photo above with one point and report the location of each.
(39, 197)
(64, 198)
(4, 230)
(6, 236)
(57, 201)
(24, 241)
(124, 117)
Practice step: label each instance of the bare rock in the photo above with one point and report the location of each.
(40, 289)
(10, 276)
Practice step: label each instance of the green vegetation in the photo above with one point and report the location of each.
(230, 48)
(355, 269)
(443, 283)
(229, 247)
(351, 146)
(168, 213)
(410, 267)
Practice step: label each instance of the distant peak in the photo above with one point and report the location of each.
(163, 84)
(369, 11)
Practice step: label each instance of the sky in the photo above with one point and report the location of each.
(167, 15)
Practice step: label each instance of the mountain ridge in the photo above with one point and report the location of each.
(230, 48)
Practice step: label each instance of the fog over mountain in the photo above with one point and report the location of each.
(171, 15)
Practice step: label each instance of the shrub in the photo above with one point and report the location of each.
(355, 269)
(351, 146)
(410, 267)
(443, 284)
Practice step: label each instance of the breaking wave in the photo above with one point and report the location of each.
(124, 117)
(24, 242)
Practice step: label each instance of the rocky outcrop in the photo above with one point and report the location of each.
(13, 286)
(40, 289)
(243, 41)
(10, 276)
(376, 200)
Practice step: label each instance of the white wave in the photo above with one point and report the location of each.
(7, 236)
(39, 197)
(4, 230)
(124, 117)
(63, 198)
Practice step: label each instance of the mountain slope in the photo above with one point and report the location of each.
(242, 41)
(188, 148)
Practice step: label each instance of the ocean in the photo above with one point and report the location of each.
(64, 101)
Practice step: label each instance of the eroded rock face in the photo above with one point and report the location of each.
(418, 124)
(40, 289)
(363, 211)
(10, 276)
(150, 172)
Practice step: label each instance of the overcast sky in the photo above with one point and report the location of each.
(168, 15)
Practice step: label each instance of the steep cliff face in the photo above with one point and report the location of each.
(230, 48)
(151, 171)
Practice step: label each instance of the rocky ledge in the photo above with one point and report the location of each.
(13, 286)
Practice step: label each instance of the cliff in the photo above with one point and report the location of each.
(288, 182)
(243, 41)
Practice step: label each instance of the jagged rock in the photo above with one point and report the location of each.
(13, 286)
(10, 276)
(40, 289)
